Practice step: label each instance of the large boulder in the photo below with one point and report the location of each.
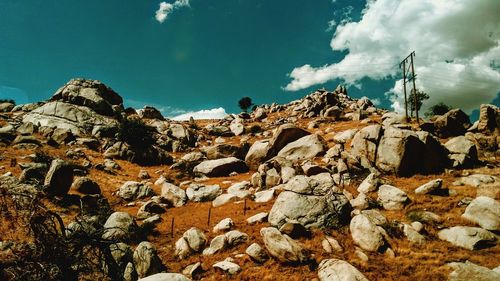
(59, 178)
(310, 202)
(132, 190)
(120, 226)
(472, 238)
(453, 123)
(304, 148)
(489, 119)
(89, 93)
(173, 194)
(220, 167)
(339, 270)
(284, 135)
(364, 144)
(468, 271)
(257, 154)
(400, 152)
(76, 118)
(223, 151)
(391, 197)
(146, 260)
(463, 152)
(484, 211)
(202, 193)
(366, 233)
(282, 247)
(149, 112)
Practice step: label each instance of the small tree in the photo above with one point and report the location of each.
(438, 109)
(416, 103)
(245, 103)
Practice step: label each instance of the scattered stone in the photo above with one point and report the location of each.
(472, 238)
(202, 193)
(132, 190)
(120, 226)
(224, 199)
(260, 217)
(59, 178)
(331, 245)
(366, 234)
(146, 260)
(217, 244)
(165, 277)
(430, 187)
(257, 253)
(469, 271)
(484, 211)
(224, 225)
(391, 197)
(221, 167)
(264, 196)
(339, 270)
(86, 186)
(173, 194)
(282, 247)
(228, 267)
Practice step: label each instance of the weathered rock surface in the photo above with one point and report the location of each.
(282, 247)
(304, 148)
(221, 167)
(484, 211)
(391, 197)
(59, 178)
(472, 238)
(120, 226)
(339, 270)
(366, 233)
(146, 260)
(469, 271)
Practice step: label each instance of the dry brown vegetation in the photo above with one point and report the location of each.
(410, 263)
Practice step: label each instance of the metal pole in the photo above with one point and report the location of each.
(414, 77)
(172, 228)
(404, 88)
(209, 214)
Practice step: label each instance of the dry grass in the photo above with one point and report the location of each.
(411, 262)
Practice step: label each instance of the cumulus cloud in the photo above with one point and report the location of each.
(165, 9)
(215, 113)
(456, 44)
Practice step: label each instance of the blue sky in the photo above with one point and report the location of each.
(208, 54)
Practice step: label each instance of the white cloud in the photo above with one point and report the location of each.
(165, 9)
(456, 44)
(215, 113)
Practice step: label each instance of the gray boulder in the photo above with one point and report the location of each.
(489, 119)
(282, 247)
(339, 270)
(146, 260)
(120, 226)
(221, 167)
(366, 233)
(173, 194)
(472, 238)
(463, 152)
(132, 190)
(484, 211)
(304, 148)
(257, 253)
(391, 197)
(311, 203)
(202, 193)
(59, 178)
(469, 271)
(257, 154)
(89, 93)
(453, 123)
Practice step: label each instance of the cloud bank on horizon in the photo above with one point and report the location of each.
(166, 9)
(457, 45)
(215, 113)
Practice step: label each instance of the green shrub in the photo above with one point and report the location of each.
(438, 109)
(135, 133)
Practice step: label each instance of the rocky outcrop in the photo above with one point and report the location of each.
(463, 152)
(489, 119)
(120, 226)
(398, 151)
(147, 156)
(312, 202)
(146, 260)
(453, 123)
(91, 94)
(366, 233)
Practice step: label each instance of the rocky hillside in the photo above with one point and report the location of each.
(322, 188)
